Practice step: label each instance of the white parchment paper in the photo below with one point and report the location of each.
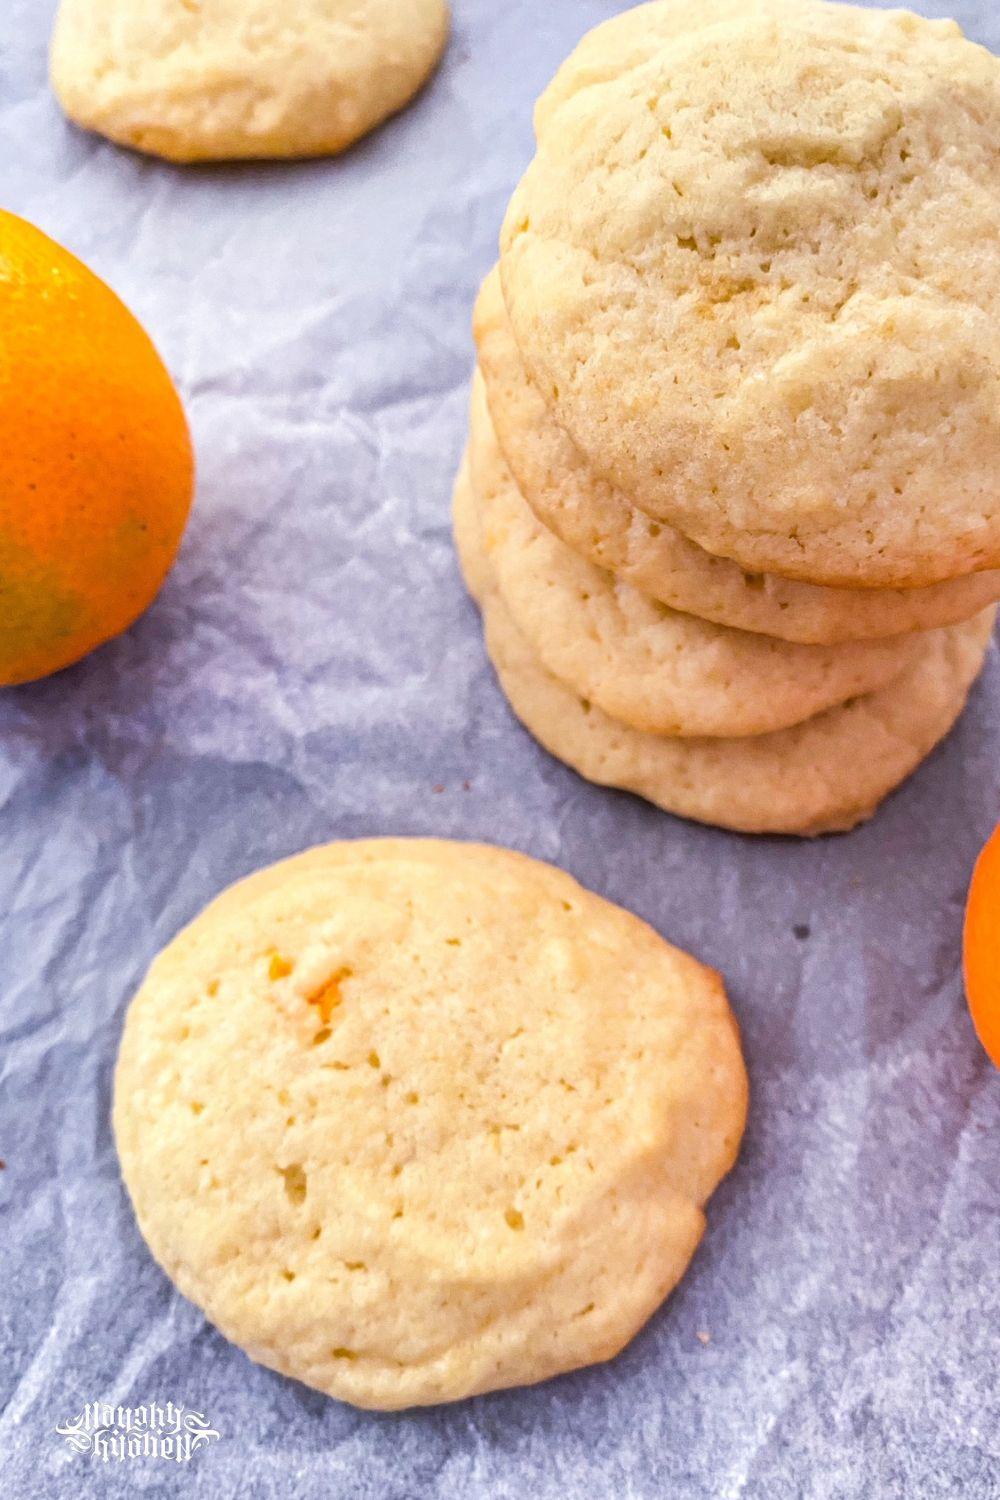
(313, 670)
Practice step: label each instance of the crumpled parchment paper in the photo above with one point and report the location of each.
(314, 670)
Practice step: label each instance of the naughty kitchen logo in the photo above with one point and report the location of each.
(112, 1434)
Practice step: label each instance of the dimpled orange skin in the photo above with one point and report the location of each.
(96, 464)
(982, 948)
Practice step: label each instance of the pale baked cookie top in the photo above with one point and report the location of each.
(755, 276)
(411, 1120)
(598, 521)
(652, 667)
(196, 80)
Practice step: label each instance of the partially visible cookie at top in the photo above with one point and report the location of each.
(755, 277)
(412, 1120)
(204, 80)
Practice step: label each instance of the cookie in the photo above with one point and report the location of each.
(651, 667)
(203, 80)
(627, 40)
(754, 276)
(468, 533)
(599, 522)
(412, 1120)
(823, 776)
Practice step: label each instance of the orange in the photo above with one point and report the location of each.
(96, 466)
(982, 947)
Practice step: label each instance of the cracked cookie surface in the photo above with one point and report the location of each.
(754, 276)
(600, 523)
(412, 1120)
(206, 80)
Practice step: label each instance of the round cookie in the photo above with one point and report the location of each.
(754, 277)
(823, 776)
(413, 1120)
(650, 666)
(599, 522)
(229, 79)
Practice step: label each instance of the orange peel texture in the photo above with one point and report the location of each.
(982, 948)
(96, 463)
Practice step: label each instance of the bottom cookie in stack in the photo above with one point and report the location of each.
(823, 775)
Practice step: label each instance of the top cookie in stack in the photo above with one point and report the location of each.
(742, 356)
(753, 268)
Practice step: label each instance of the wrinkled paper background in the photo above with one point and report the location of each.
(314, 670)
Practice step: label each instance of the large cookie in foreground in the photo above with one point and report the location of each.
(412, 1120)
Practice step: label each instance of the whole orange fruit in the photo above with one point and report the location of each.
(981, 948)
(96, 465)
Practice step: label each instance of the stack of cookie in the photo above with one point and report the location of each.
(731, 502)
